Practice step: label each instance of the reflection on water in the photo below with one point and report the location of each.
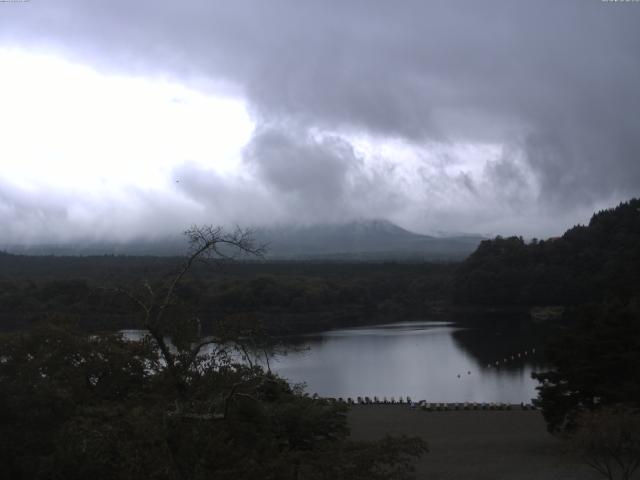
(419, 359)
(435, 361)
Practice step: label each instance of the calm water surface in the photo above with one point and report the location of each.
(434, 361)
(420, 359)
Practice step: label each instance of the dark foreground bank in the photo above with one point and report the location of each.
(482, 445)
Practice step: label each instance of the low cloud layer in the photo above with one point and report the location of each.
(489, 117)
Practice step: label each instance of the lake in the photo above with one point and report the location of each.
(426, 360)
(436, 361)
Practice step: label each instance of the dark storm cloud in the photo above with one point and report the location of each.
(228, 199)
(309, 174)
(318, 178)
(300, 165)
(291, 174)
(555, 81)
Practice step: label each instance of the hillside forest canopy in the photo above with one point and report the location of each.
(79, 406)
(80, 401)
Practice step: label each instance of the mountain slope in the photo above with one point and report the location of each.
(364, 239)
(360, 240)
(588, 263)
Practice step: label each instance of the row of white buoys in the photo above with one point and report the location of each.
(505, 360)
(511, 358)
(369, 400)
(348, 400)
(384, 401)
(428, 406)
(443, 407)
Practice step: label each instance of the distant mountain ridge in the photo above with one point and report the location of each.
(360, 240)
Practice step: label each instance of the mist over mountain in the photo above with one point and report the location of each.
(362, 239)
(365, 239)
(493, 116)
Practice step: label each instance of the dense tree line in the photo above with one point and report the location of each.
(588, 263)
(173, 405)
(594, 362)
(287, 297)
(75, 406)
(593, 354)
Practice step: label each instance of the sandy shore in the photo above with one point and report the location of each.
(482, 445)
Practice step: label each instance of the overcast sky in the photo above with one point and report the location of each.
(120, 118)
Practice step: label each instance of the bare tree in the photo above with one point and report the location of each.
(608, 440)
(157, 299)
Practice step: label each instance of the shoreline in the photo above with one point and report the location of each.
(471, 444)
(432, 406)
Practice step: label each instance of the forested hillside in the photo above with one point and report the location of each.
(285, 296)
(587, 264)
